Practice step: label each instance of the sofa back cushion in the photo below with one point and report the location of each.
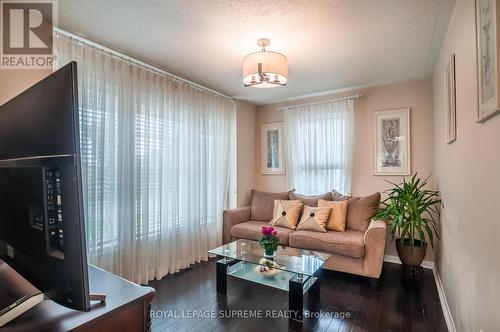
(336, 196)
(361, 210)
(310, 200)
(262, 205)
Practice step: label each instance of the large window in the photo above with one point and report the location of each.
(319, 146)
(155, 164)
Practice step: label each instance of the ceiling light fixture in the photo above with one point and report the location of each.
(265, 69)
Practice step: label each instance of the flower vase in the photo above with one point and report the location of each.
(269, 253)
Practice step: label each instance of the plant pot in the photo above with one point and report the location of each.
(413, 257)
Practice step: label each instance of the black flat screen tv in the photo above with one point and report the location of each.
(42, 234)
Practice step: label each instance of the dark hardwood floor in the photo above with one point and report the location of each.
(187, 301)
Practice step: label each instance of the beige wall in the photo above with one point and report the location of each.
(467, 172)
(245, 150)
(13, 81)
(417, 95)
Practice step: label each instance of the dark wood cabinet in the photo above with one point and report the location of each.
(126, 308)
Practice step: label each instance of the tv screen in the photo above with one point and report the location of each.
(42, 232)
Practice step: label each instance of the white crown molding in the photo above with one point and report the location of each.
(439, 285)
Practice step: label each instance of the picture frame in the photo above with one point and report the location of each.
(488, 67)
(391, 142)
(450, 101)
(272, 148)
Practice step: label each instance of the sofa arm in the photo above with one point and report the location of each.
(231, 218)
(375, 237)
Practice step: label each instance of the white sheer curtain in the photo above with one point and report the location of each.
(156, 164)
(319, 147)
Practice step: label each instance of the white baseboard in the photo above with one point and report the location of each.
(444, 304)
(442, 297)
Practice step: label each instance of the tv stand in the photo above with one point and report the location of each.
(19, 307)
(26, 302)
(117, 305)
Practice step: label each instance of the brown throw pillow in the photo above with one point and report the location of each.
(310, 200)
(314, 219)
(336, 196)
(262, 205)
(361, 210)
(286, 214)
(338, 215)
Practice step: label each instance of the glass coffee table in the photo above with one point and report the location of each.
(295, 270)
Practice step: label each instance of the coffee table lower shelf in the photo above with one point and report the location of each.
(294, 283)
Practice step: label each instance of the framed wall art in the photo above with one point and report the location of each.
(450, 101)
(392, 142)
(272, 148)
(487, 41)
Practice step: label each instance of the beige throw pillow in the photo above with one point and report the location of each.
(314, 219)
(338, 216)
(286, 213)
(277, 205)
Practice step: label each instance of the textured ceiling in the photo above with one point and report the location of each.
(329, 44)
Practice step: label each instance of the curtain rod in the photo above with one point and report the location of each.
(356, 96)
(138, 62)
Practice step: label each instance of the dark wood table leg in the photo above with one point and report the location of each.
(221, 271)
(296, 296)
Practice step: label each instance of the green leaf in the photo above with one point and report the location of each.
(410, 210)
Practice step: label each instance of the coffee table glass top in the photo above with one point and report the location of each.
(294, 260)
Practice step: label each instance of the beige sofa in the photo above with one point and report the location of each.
(358, 250)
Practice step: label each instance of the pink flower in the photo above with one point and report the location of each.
(268, 231)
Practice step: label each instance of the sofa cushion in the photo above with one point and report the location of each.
(251, 230)
(361, 210)
(286, 213)
(262, 204)
(336, 196)
(338, 215)
(310, 200)
(349, 243)
(314, 219)
(277, 205)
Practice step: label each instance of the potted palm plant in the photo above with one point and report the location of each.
(411, 212)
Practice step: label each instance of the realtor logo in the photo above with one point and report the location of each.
(27, 34)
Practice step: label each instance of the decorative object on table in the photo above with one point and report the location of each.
(488, 66)
(392, 142)
(450, 101)
(411, 212)
(286, 213)
(269, 240)
(268, 268)
(272, 148)
(265, 69)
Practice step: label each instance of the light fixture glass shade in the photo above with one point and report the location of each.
(273, 69)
